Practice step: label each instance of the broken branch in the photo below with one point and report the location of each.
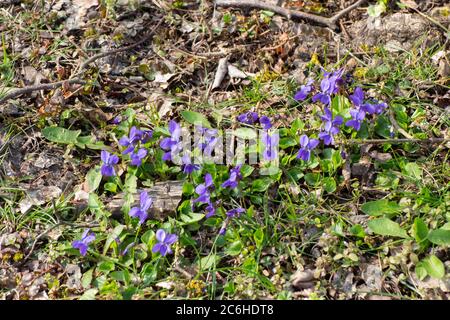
(288, 13)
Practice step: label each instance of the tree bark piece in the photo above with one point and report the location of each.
(166, 196)
(288, 13)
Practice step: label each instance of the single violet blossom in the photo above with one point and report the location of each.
(109, 160)
(128, 247)
(172, 145)
(146, 136)
(210, 210)
(358, 116)
(116, 120)
(331, 127)
(203, 190)
(137, 157)
(233, 180)
(188, 166)
(83, 244)
(270, 146)
(307, 145)
(222, 231)
(141, 211)
(131, 141)
(248, 117)
(235, 212)
(304, 91)
(357, 98)
(265, 122)
(165, 240)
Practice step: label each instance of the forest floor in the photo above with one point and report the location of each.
(365, 218)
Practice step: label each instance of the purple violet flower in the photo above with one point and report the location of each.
(164, 242)
(116, 120)
(141, 211)
(109, 160)
(222, 231)
(306, 146)
(304, 91)
(136, 158)
(235, 212)
(188, 167)
(358, 116)
(265, 122)
(208, 140)
(357, 98)
(331, 127)
(128, 247)
(203, 190)
(173, 144)
(210, 210)
(248, 117)
(233, 180)
(130, 141)
(83, 244)
(270, 146)
(147, 135)
(329, 85)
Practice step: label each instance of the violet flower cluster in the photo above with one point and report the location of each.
(132, 144)
(252, 118)
(331, 84)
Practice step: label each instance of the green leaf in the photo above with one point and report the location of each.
(246, 170)
(130, 184)
(93, 179)
(421, 271)
(295, 174)
(61, 135)
(380, 207)
(386, 227)
(258, 236)
(287, 142)
(123, 276)
(435, 268)
(261, 185)
(112, 237)
(191, 217)
(112, 187)
(87, 278)
(245, 133)
(376, 10)
(106, 266)
(329, 184)
(188, 188)
(89, 294)
(208, 261)
(420, 230)
(235, 248)
(195, 118)
(413, 171)
(313, 179)
(440, 237)
(147, 236)
(358, 231)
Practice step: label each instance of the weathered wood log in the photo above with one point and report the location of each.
(166, 196)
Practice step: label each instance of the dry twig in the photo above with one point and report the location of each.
(330, 22)
(75, 78)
